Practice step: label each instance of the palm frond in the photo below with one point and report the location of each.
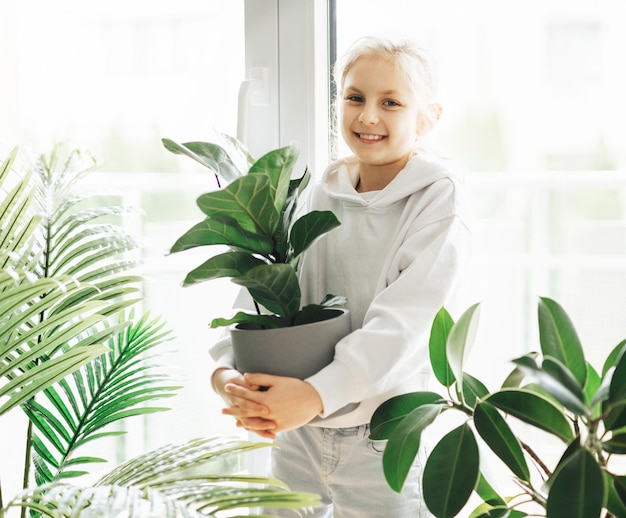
(114, 386)
(77, 240)
(27, 345)
(200, 477)
(17, 223)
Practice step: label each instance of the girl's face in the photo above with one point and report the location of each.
(379, 117)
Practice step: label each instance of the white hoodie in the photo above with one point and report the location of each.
(397, 257)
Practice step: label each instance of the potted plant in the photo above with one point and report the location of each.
(256, 216)
(556, 427)
(75, 360)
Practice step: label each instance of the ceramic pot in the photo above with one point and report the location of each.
(297, 351)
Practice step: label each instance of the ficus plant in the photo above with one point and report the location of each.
(256, 215)
(556, 427)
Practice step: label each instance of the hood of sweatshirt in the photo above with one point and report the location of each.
(340, 178)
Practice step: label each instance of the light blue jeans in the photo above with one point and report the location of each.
(345, 468)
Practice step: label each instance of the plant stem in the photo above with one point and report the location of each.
(536, 458)
(27, 460)
(258, 310)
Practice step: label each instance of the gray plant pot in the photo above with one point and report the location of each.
(297, 352)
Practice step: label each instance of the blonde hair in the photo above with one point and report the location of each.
(413, 62)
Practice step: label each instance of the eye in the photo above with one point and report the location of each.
(390, 103)
(353, 98)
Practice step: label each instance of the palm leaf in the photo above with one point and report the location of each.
(112, 387)
(196, 478)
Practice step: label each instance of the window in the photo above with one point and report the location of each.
(114, 78)
(533, 109)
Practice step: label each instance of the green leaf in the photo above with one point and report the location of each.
(439, 333)
(238, 150)
(404, 444)
(613, 357)
(487, 493)
(277, 166)
(250, 319)
(38, 378)
(391, 413)
(616, 501)
(219, 230)
(592, 388)
(577, 489)
(461, 339)
(451, 472)
(248, 200)
(496, 433)
(209, 155)
(473, 389)
(533, 409)
(617, 389)
(556, 380)
(559, 339)
(309, 227)
(274, 286)
(616, 444)
(228, 264)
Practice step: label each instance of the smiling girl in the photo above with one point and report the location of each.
(398, 256)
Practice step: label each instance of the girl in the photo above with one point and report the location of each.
(397, 256)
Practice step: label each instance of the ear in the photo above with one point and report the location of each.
(425, 123)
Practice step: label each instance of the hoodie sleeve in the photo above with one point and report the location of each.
(392, 344)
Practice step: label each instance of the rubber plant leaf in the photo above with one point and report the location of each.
(228, 264)
(209, 155)
(391, 413)
(556, 380)
(534, 409)
(451, 472)
(309, 227)
(592, 387)
(275, 287)
(461, 339)
(616, 402)
(219, 230)
(248, 200)
(473, 389)
(498, 435)
(404, 444)
(559, 340)
(616, 499)
(488, 493)
(437, 347)
(613, 357)
(577, 489)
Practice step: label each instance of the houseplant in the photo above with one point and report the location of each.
(556, 427)
(75, 360)
(256, 216)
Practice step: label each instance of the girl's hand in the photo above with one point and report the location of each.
(248, 408)
(290, 402)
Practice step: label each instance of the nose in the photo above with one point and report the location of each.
(368, 114)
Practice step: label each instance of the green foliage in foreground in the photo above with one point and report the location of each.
(554, 393)
(76, 359)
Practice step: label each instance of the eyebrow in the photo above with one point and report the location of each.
(386, 92)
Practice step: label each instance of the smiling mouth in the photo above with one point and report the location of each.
(369, 137)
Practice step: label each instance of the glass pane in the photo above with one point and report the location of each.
(533, 109)
(114, 78)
